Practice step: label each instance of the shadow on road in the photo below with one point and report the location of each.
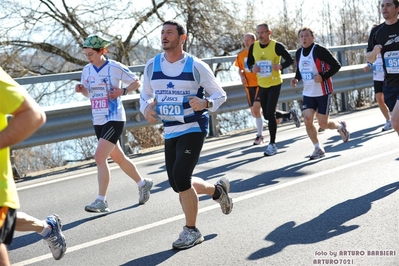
(160, 257)
(357, 139)
(26, 240)
(327, 225)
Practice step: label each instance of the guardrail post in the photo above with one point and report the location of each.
(214, 127)
(341, 56)
(344, 101)
(124, 141)
(213, 122)
(283, 107)
(15, 172)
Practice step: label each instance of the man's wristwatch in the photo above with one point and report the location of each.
(209, 104)
(125, 91)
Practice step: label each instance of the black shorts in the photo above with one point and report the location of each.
(253, 95)
(110, 131)
(8, 219)
(391, 96)
(321, 104)
(378, 86)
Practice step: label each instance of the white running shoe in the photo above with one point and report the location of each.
(97, 206)
(188, 238)
(55, 239)
(226, 203)
(145, 191)
(295, 117)
(387, 126)
(343, 131)
(271, 149)
(317, 154)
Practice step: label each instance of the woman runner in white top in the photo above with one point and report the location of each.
(102, 81)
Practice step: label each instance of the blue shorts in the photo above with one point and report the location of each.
(321, 104)
(391, 96)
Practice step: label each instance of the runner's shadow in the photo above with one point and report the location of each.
(28, 239)
(327, 225)
(357, 139)
(160, 257)
(275, 176)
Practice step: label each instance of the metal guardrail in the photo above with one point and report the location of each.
(72, 121)
(339, 50)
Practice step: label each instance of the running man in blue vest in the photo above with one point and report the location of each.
(174, 89)
(315, 67)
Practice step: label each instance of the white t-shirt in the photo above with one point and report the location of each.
(100, 81)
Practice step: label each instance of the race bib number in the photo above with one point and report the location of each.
(307, 77)
(391, 59)
(306, 72)
(99, 100)
(378, 68)
(99, 106)
(265, 68)
(170, 107)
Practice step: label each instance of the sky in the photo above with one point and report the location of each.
(271, 11)
(312, 9)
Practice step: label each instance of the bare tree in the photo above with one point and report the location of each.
(45, 37)
(41, 37)
(57, 32)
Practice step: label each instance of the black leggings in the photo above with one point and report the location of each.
(268, 101)
(181, 157)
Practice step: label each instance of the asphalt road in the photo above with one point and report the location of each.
(339, 210)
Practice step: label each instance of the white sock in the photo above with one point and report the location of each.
(141, 183)
(103, 198)
(259, 125)
(317, 146)
(46, 230)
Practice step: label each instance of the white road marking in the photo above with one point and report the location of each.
(214, 206)
(208, 146)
